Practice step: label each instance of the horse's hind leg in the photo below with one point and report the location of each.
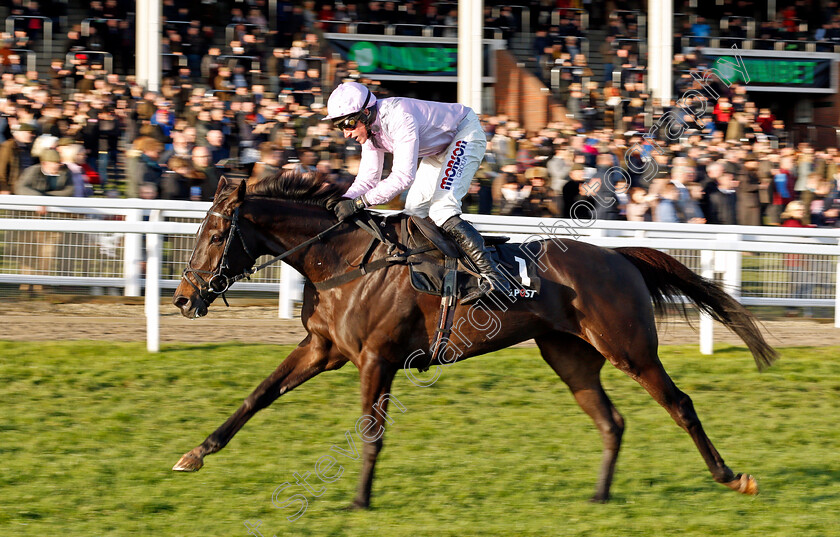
(306, 361)
(579, 365)
(652, 376)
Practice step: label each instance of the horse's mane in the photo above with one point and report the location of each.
(307, 188)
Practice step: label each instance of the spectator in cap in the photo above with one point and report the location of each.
(16, 156)
(49, 178)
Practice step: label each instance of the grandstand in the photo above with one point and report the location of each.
(563, 83)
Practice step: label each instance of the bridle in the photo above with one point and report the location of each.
(218, 283)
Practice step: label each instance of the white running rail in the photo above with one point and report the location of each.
(99, 243)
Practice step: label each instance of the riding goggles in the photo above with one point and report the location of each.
(347, 122)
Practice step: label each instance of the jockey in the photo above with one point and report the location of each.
(449, 140)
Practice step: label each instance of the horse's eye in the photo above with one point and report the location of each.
(215, 239)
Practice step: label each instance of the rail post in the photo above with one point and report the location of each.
(837, 292)
(154, 251)
(132, 255)
(290, 281)
(732, 261)
(707, 325)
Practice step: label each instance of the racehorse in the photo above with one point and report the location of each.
(595, 304)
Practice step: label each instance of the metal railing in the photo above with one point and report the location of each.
(801, 25)
(176, 24)
(31, 58)
(524, 13)
(233, 60)
(229, 29)
(86, 24)
(637, 46)
(725, 23)
(337, 27)
(180, 59)
(582, 14)
(620, 75)
(794, 45)
(99, 242)
(418, 30)
(441, 30)
(636, 17)
(493, 33)
(374, 28)
(577, 77)
(405, 29)
(47, 26)
(582, 43)
(93, 56)
(781, 45)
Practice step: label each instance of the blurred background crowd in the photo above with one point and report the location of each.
(238, 97)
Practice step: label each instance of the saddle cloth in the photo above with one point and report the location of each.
(428, 270)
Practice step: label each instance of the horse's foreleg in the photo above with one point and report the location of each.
(376, 376)
(579, 365)
(303, 363)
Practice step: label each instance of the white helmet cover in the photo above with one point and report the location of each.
(349, 98)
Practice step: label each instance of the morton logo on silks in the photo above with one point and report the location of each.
(455, 166)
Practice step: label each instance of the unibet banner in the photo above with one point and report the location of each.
(775, 70)
(400, 58)
(779, 72)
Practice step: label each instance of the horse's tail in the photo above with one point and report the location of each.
(666, 278)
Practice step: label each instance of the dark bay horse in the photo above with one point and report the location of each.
(595, 304)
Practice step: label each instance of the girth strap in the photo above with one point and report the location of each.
(367, 268)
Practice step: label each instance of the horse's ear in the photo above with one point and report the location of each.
(223, 183)
(240, 190)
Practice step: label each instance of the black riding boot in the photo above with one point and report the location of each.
(472, 244)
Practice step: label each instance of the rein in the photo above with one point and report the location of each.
(218, 283)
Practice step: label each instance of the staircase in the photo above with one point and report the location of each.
(595, 59)
(521, 46)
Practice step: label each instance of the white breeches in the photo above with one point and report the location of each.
(443, 179)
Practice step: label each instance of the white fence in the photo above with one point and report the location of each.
(99, 243)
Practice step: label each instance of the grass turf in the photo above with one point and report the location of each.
(496, 447)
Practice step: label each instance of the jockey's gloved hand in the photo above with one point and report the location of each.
(346, 208)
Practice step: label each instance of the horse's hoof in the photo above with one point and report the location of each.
(189, 463)
(357, 506)
(745, 484)
(599, 499)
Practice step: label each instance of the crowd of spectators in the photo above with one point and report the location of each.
(252, 101)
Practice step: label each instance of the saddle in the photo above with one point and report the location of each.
(429, 270)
